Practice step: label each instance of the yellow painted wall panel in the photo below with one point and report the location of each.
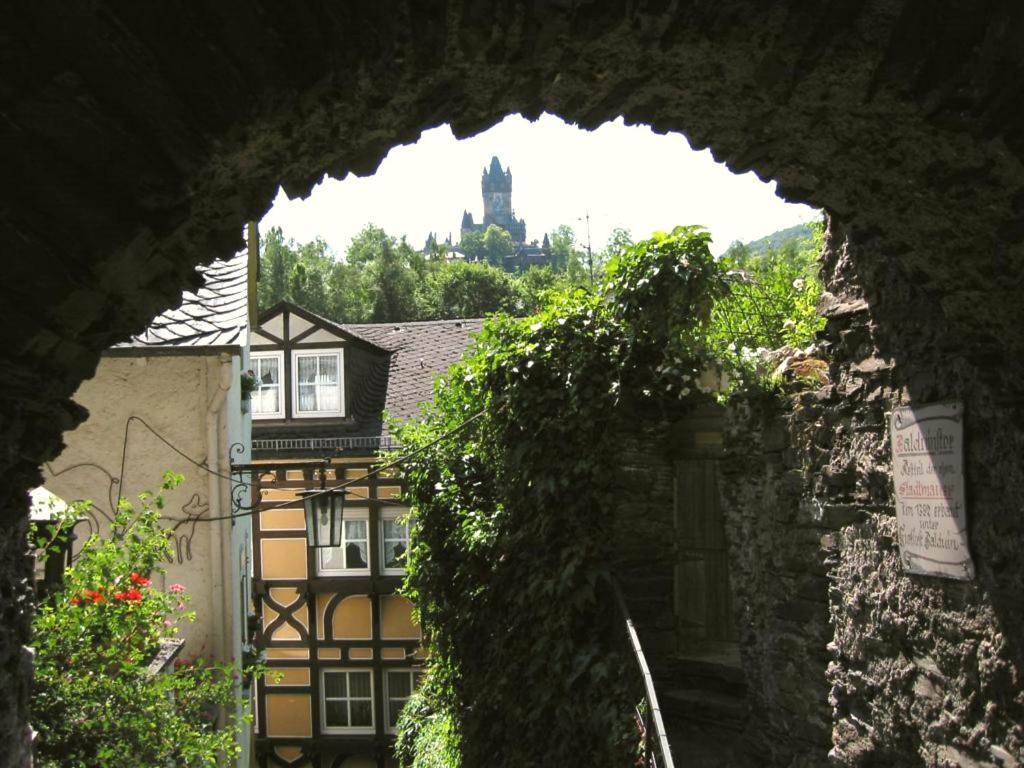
(288, 714)
(360, 653)
(392, 653)
(353, 619)
(396, 619)
(288, 754)
(283, 558)
(283, 596)
(329, 654)
(287, 653)
(283, 519)
(285, 632)
(289, 676)
(280, 494)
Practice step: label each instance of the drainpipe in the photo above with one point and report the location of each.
(217, 528)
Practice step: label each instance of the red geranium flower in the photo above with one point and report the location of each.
(133, 594)
(75, 601)
(142, 581)
(96, 597)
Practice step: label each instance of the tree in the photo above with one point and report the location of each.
(293, 272)
(473, 245)
(391, 284)
(348, 297)
(276, 262)
(462, 289)
(618, 241)
(567, 257)
(95, 700)
(497, 245)
(535, 286)
(367, 245)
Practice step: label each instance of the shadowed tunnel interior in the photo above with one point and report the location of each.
(136, 142)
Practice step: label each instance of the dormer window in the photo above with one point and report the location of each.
(318, 390)
(268, 396)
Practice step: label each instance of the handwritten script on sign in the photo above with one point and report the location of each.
(928, 470)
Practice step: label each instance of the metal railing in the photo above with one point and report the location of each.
(374, 443)
(657, 753)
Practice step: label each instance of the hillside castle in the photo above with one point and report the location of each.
(496, 189)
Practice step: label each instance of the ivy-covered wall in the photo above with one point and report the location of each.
(842, 649)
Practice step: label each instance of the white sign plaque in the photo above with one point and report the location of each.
(928, 471)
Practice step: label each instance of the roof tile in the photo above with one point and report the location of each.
(213, 315)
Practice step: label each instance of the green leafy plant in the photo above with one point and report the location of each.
(512, 548)
(513, 544)
(96, 701)
(772, 298)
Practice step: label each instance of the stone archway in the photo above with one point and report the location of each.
(135, 144)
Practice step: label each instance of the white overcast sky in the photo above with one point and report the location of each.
(624, 176)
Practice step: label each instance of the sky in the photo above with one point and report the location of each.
(622, 176)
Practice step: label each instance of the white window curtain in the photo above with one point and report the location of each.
(318, 383)
(348, 699)
(266, 399)
(353, 554)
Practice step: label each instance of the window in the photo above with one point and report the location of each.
(399, 685)
(394, 537)
(352, 558)
(318, 384)
(267, 399)
(347, 700)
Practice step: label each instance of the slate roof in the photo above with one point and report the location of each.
(216, 315)
(419, 351)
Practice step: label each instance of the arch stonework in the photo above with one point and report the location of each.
(135, 143)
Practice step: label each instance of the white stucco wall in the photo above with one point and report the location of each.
(172, 394)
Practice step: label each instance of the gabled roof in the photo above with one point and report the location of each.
(394, 372)
(339, 329)
(419, 351)
(214, 316)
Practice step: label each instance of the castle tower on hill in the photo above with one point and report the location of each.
(496, 187)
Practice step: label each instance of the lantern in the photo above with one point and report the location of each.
(324, 512)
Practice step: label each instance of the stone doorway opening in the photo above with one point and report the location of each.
(138, 142)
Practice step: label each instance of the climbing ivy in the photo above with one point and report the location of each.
(511, 554)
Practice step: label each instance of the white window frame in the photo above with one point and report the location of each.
(372, 727)
(296, 354)
(392, 514)
(413, 672)
(281, 379)
(350, 514)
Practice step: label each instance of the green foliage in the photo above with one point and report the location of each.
(383, 279)
(293, 272)
(773, 297)
(472, 245)
(466, 289)
(535, 287)
(513, 544)
(619, 240)
(497, 245)
(94, 701)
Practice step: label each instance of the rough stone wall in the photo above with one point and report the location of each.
(136, 141)
(923, 667)
(778, 577)
(919, 670)
(643, 524)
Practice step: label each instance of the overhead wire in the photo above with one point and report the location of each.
(266, 508)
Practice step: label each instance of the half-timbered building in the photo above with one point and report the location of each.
(342, 645)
